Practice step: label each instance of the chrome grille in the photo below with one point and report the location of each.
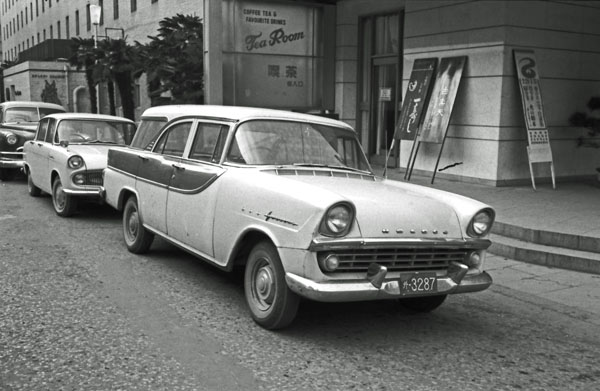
(93, 178)
(397, 259)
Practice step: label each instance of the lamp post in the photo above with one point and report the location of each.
(95, 15)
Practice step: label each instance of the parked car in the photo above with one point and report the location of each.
(292, 199)
(68, 154)
(18, 122)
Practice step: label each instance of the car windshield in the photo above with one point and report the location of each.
(271, 142)
(95, 131)
(27, 114)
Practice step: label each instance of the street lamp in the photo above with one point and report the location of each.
(95, 15)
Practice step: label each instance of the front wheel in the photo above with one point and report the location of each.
(423, 304)
(272, 304)
(32, 189)
(137, 238)
(64, 204)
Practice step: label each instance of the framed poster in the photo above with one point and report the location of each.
(442, 98)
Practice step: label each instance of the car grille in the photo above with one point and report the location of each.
(93, 178)
(397, 259)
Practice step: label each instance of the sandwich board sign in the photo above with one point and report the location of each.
(538, 148)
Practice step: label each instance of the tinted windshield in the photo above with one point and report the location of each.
(95, 131)
(27, 114)
(267, 142)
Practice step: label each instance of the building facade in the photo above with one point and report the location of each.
(352, 59)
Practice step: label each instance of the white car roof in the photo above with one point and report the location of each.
(235, 113)
(101, 117)
(23, 103)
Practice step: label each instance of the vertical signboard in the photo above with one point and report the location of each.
(417, 93)
(538, 149)
(272, 55)
(442, 98)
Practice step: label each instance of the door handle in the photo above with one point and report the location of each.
(51, 157)
(178, 167)
(144, 158)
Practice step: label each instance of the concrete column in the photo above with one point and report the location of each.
(213, 52)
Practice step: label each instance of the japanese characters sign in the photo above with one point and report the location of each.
(416, 97)
(441, 103)
(531, 94)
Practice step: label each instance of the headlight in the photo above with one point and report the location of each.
(75, 162)
(11, 139)
(337, 220)
(481, 223)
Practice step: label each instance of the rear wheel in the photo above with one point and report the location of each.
(137, 238)
(423, 304)
(64, 204)
(272, 304)
(33, 190)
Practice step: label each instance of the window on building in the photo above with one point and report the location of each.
(31, 11)
(154, 1)
(37, 7)
(77, 22)
(51, 32)
(116, 9)
(49, 3)
(133, 5)
(44, 35)
(38, 37)
(88, 18)
(101, 4)
(67, 28)
(26, 19)
(58, 29)
(43, 6)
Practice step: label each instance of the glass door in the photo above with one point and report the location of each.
(383, 120)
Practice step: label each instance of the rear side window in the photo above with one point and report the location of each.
(209, 142)
(147, 133)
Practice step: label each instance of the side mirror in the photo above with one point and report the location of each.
(64, 143)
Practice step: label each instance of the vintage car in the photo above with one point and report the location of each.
(292, 199)
(18, 122)
(68, 154)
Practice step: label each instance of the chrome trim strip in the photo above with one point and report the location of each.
(358, 291)
(12, 163)
(185, 247)
(323, 244)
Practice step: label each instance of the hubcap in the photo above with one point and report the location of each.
(59, 196)
(132, 225)
(264, 285)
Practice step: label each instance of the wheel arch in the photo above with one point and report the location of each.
(124, 195)
(244, 244)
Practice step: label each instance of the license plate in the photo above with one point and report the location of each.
(418, 283)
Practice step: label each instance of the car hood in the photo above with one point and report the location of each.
(390, 209)
(94, 155)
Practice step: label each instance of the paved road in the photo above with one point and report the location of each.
(78, 312)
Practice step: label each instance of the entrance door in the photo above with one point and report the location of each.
(383, 118)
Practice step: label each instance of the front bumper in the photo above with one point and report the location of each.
(340, 291)
(12, 163)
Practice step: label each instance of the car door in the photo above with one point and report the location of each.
(155, 171)
(34, 154)
(194, 187)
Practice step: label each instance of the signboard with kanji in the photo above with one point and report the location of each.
(538, 149)
(442, 98)
(415, 99)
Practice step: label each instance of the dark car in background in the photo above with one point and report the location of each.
(18, 123)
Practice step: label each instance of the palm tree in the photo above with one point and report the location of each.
(173, 60)
(84, 57)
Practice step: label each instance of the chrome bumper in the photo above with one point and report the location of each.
(338, 291)
(95, 193)
(9, 163)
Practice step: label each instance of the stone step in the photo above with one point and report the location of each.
(559, 257)
(548, 238)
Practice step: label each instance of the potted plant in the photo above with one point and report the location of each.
(591, 122)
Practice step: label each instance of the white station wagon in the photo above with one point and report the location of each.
(292, 199)
(68, 154)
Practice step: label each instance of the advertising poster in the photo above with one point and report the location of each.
(417, 93)
(442, 98)
(531, 94)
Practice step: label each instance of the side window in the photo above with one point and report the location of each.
(41, 132)
(209, 142)
(51, 130)
(173, 141)
(147, 132)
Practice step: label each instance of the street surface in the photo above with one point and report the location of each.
(79, 312)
